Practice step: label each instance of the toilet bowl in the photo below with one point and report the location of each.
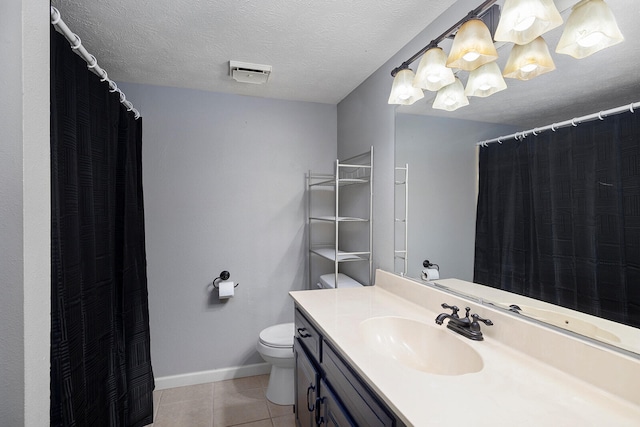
(275, 345)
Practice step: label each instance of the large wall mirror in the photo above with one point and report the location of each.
(439, 148)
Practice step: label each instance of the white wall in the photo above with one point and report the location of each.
(224, 183)
(24, 213)
(443, 170)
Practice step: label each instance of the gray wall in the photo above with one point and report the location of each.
(365, 119)
(224, 183)
(24, 213)
(11, 261)
(443, 170)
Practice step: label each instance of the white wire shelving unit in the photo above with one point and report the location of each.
(354, 171)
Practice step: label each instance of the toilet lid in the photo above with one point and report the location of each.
(278, 335)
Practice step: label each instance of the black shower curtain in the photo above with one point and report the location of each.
(558, 217)
(100, 357)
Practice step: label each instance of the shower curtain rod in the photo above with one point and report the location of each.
(555, 126)
(92, 62)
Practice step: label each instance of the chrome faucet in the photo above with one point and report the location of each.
(468, 327)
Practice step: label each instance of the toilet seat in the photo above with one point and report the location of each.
(278, 336)
(275, 345)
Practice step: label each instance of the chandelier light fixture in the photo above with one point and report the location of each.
(485, 80)
(522, 21)
(451, 97)
(433, 73)
(590, 28)
(403, 92)
(472, 46)
(528, 61)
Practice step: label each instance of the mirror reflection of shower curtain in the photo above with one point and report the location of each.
(558, 217)
(100, 356)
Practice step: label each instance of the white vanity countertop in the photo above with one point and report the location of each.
(511, 389)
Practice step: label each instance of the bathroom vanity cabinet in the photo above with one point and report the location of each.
(327, 390)
(373, 356)
(352, 179)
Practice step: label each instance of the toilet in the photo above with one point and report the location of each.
(275, 345)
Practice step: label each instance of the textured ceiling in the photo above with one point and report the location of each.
(320, 50)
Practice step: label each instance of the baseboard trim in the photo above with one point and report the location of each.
(214, 375)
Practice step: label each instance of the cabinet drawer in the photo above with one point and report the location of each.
(308, 336)
(364, 407)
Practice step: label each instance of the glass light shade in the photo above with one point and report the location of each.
(485, 80)
(528, 61)
(590, 28)
(433, 73)
(522, 21)
(451, 97)
(472, 46)
(402, 90)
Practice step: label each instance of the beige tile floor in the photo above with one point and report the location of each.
(239, 402)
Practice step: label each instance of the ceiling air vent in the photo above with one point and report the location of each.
(245, 72)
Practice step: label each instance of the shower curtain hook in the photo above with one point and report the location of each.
(106, 76)
(57, 18)
(122, 97)
(113, 86)
(499, 142)
(631, 108)
(534, 132)
(573, 122)
(553, 127)
(600, 115)
(93, 63)
(78, 40)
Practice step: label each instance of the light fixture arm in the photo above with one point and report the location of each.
(435, 42)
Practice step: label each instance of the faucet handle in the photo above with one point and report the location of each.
(453, 308)
(477, 319)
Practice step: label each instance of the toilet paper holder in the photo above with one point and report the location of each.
(431, 271)
(426, 264)
(224, 275)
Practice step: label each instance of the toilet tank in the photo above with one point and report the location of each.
(344, 281)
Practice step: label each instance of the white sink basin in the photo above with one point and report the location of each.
(420, 346)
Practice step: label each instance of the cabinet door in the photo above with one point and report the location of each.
(306, 388)
(332, 413)
(309, 336)
(364, 407)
